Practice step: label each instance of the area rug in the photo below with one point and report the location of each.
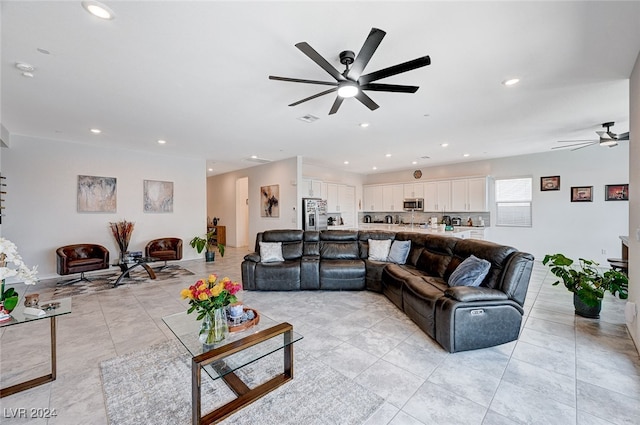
(104, 281)
(154, 386)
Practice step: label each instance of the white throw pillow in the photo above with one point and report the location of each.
(379, 249)
(270, 252)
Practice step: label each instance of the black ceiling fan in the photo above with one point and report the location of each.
(606, 138)
(351, 82)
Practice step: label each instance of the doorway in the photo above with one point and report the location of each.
(242, 212)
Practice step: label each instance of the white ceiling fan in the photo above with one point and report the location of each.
(606, 138)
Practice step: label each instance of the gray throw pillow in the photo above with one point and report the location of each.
(270, 252)
(471, 272)
(399, 252)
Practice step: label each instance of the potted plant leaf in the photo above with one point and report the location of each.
(588, 282)
(209, 242)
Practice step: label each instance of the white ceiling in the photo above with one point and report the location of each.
(196, 75)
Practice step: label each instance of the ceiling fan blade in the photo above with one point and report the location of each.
(578, 140)
(322, 62)
(390, 87)
(366, 52)
(314, 96)
(583, 145)
(367, 101)
(336, 105)
(396, 69)
(298, 80)
(623, 136)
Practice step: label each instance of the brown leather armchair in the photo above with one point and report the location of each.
(164, 249)
(80, 258)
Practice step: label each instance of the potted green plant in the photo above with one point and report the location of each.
(209, 242)
(588, 282)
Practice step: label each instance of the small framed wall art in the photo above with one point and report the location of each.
(550, 183)
(616, 192)
(157, 196)
(582, 194)
(270, 198)
(96, 194)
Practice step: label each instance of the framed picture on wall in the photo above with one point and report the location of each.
(96, 194)
(616, 192)
(157, 196)
(550, 183)
(269, 201)
(582, 194)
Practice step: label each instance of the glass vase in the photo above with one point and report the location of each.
(214, 328)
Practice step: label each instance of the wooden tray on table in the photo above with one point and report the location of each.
(246, 324)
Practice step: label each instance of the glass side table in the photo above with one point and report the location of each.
(18, 317)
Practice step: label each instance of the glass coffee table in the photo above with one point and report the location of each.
(129, 264)
(237, 350)
(52, 310)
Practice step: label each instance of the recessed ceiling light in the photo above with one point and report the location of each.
(364, 124)
(98, 9)
(27, 74)
(96, 131)
(374, 168)
(444, 145)
(414, 162)
(254, 156)
(346, 163)
(388, 155)
(511, 81)
(162, 142)
(466, 155)
(210, 169)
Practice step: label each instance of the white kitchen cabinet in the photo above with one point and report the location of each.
(332, 198)
(413, 190)
(347, 197)
(312, 189)
(477, 194)
(392, 197)
(469, 194)
(372, 198)
(437, 196)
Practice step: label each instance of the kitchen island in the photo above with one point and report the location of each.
(457, 232)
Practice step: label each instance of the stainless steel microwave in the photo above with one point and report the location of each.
(413, 204)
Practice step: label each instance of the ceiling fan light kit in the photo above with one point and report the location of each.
(351, 82)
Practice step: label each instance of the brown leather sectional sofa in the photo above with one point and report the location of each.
(460, 318)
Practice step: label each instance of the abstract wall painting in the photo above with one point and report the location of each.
(269, 200)
(97, 194)
(157, 196)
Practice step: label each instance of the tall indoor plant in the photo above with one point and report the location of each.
(9, 255)
(199, 243)
(588, 282)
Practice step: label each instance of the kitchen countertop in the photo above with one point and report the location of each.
(415, 228)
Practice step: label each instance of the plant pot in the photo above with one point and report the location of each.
(11, 303)
(209, 256)
(584, 310)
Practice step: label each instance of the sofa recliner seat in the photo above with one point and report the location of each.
(459, 318)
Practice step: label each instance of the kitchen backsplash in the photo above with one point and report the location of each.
(424, 217)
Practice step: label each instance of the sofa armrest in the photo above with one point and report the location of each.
(471, 293)
(254, 256)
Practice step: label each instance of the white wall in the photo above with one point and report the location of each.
(634, 198)
(41, 203)
(577, 229)
(221, 194)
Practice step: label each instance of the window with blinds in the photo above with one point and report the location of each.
(513, 202)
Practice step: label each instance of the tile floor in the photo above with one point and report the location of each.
(563, 369)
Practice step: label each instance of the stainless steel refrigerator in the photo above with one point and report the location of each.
(314, 214)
